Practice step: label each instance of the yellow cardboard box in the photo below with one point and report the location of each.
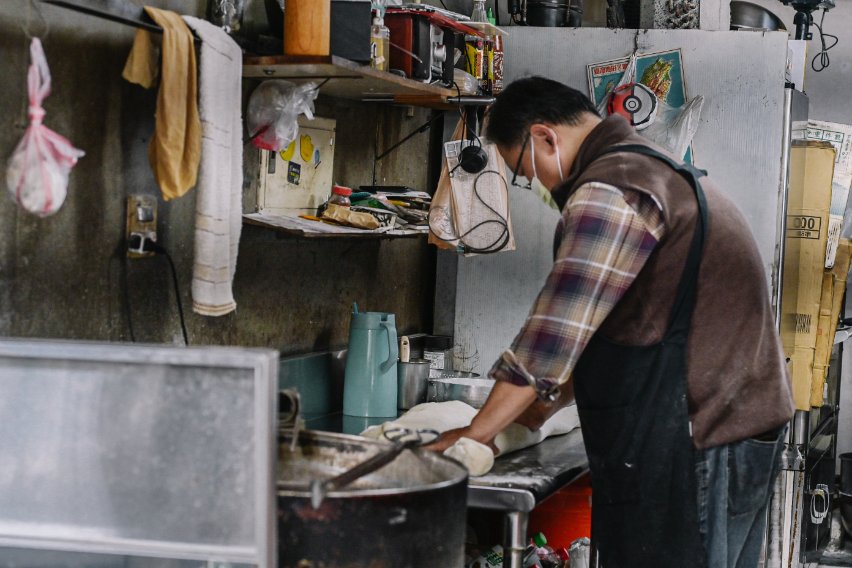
(833, 288)
(808, 203)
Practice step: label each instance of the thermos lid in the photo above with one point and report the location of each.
(371, 320)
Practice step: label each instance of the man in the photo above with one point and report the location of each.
(656, 318)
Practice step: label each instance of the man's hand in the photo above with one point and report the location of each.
(450, 437)
(505, 403)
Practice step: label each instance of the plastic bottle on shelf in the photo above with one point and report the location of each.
(479, 14)
(340, 196)
(493, 558)
(496, 65)
(547, 556)
(379, 44)
(479, 50)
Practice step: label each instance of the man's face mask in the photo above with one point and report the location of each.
(539, 188)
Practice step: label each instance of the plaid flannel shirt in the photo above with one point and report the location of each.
(606, 237)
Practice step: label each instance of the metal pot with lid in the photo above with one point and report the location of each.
(408, 514)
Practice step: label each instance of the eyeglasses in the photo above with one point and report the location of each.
(518, 166)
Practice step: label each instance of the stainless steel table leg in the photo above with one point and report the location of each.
(515, 539)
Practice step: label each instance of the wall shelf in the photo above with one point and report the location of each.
(349, 80)
(296, 227)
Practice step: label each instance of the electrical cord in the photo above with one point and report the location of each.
(822, 56)
(501, 241)
(151, 246)
(463, 116)
(126, 288)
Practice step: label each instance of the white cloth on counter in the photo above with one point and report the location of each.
(477, 457)
(219, 205)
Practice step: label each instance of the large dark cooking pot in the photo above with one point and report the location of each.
(408, 514)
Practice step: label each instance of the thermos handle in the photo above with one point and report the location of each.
(392, 348)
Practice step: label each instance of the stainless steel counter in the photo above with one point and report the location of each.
(521, 480)
(517, 483)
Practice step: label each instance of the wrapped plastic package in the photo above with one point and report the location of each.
(273, 112)
(670, 127)
(37, 174)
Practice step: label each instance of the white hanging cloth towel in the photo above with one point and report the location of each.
(218, 209)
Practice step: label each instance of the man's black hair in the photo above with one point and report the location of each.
(534, 100)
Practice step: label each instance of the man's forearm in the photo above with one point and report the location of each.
(504, 405)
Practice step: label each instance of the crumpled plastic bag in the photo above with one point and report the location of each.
(674, 127)
(273, 112)
(37, 173)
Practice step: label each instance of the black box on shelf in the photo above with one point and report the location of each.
(350, 29)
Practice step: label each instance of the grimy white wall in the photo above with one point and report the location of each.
(741, 126)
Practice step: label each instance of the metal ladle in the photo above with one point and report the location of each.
(401, 438)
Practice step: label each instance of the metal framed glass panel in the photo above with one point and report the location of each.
(148, 451)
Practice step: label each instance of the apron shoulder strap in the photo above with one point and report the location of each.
(681, 315)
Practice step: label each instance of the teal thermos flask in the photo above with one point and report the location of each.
(370, 383)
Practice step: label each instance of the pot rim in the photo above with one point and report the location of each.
(461, 476)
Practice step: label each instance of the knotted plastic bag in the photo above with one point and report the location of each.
(273, 112)
(37, 174)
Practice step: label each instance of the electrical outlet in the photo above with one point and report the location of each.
(141, 224)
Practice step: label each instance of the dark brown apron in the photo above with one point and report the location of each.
(632, 402)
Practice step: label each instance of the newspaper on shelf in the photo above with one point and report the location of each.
(840, 136)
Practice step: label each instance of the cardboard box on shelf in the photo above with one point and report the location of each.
(833, 288)
(809, 200)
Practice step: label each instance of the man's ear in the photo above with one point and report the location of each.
(544, 135)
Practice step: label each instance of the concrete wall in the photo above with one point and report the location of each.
(827, 90)
(63, 276)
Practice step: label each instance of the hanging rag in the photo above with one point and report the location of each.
(175, 150)
(218, 206)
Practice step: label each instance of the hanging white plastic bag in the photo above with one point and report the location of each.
(670, 127)
(37, 174)
(273, 112)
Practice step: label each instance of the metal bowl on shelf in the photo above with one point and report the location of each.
(753, 17)
(458, 385)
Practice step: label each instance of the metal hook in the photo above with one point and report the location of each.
(27, 28)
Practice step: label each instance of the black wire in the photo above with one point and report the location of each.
(162, 250)
(822, 56)
(501, 241)
(463, 116)
(126, 288)
(177, 297)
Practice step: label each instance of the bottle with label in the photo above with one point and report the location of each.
(340, 196)
(479, 50)
(379, 44)
(491, 559)
(546, 555)
(438, 349)
(496, 67)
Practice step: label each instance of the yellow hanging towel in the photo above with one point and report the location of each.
(175, 150)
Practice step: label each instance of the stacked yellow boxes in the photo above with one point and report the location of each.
(833, 288)
(811, 171)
